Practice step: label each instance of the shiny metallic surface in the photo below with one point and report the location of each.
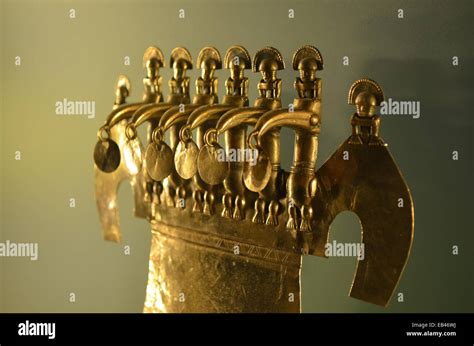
(106, 186)
(212, 168)
(185, 158)
(371, 185)
(159, 158)
(107, 155)
(211, 251)
(257, 176)
(223, 268)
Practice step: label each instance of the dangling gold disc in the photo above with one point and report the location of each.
(159, 160)
(212, 164)
(107, 155)
(185, 158)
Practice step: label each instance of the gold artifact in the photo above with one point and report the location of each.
(210, 251)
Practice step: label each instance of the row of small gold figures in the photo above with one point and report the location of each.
(197, 166)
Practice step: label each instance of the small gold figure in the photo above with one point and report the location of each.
(122, 91)
(237, 60)
(180, 62)
(307, 60)
(187, 150)
(153, 60)
(208, 61)
(363, 183)
(107, 184)
(266, 63)
(211, 169)
(366, 95)
(206, 117)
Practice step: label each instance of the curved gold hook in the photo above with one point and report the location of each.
(203, 114)
(122, 112)
(185, 133)
(206, 113)
(250, 143)
(238, 117)
(104, 129)
(142, 114)
(210, 137)
(174, 116)
(297, 120)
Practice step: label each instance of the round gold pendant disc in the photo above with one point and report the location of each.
(212, 164)
(185, 159)
(107, 155)
(159, 160)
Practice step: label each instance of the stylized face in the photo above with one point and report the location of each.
(365, 104)
(207, 69)
(308, 75)
(268, 69)
(236, 67)
(152, 68)
(308, 68)
(179, 69)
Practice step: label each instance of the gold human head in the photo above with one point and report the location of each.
(209, 60)
(366, 95)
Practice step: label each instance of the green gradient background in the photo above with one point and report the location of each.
(80, 59)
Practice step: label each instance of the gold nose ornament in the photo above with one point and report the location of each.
(211, 250)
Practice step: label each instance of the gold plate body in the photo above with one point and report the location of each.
(196, 267)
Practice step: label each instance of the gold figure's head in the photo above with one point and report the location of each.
(307, 60)
(209, 60)
(153, 60)
(237, 60)
(365, 104)
(366, 95)
(122, 89)
(308, 68)
(268, 68)
(180, 62)
(268, 61)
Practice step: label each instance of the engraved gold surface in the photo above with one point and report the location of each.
(192, 270)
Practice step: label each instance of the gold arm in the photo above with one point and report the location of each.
(174, 116)
(206, 113)
(238, 117)
(149, 112)
(297, 120)
(125, 111)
